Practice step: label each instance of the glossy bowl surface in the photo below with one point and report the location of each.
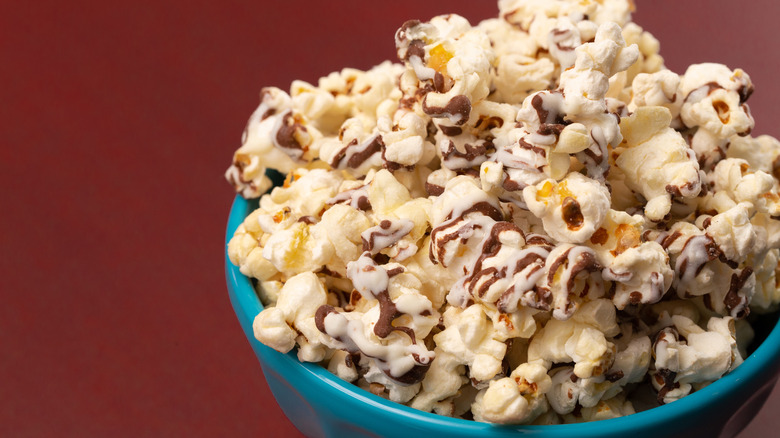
(320, 404)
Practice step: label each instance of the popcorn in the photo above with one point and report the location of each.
(447, 54)
(580, 339)
(247, 173)
(767, 293)
(640, 271)
(656, 161)
(733, 232)
(571, 210)
(294, 311)
(703, 355)
(526, 221)
(468, 340)
(760, 152)
(714, 99)
(514, 399)
(656, 89)
(649, 60)
(732, 180)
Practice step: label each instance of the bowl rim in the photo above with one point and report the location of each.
(247, 305)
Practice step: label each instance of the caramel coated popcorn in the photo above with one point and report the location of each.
(529, 220)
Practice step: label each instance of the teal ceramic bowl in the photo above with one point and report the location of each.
(320, 404)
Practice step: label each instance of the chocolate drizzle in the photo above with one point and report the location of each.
(433, 189)
(482, 207)
(490, 247)
(709, 87)
(736, 304)
(666, 240)
(385, 235)
(530, 147)
(387, 313)
(473, 155)
(355, 198)
(571, 213)
(696, 252)
(665, 378)
(457, 109)
(550, 122)
(416, 48)
(668, 384)
(353, 155)
(532, 296)
(288, 130)
(451, 131)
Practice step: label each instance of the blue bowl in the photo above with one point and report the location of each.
(320, 404)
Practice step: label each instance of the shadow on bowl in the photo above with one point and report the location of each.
(320, 404)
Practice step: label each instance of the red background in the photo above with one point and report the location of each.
(118, 121)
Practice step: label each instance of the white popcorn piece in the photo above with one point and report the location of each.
(468, 340)
(516, 399)
(517, 75)
(471, 339)
(639, 270)
(270, 327)
(406, 142)
(464, 209)
(590, 351)
(656, 161)
(649, 60)
(357, 92)
(294, 313)
(395, 315)
(571, 210)
(656, 89)
(714, 99)
(400, 393)
(436, 279)
(527, 160)
(244, 249)
(562, 40)
(312, 102)
(259, 144)
(342, 364)
(568, 390)
(580, 340)
(573, 139)
(345, 226)
(454, 58)
(304, 193)
(630, 365)
(733, 232)
(386, 194)
(443, 380)
(760, 152)
(732, 178)
(569, 279)
(709, 148)
(701, 270)
(702, 356)
(587, 83)
(357, 149)
(767, 295)
(298, 249)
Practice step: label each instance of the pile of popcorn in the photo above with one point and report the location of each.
(529, 220)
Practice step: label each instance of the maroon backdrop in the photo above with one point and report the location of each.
(118, 120)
